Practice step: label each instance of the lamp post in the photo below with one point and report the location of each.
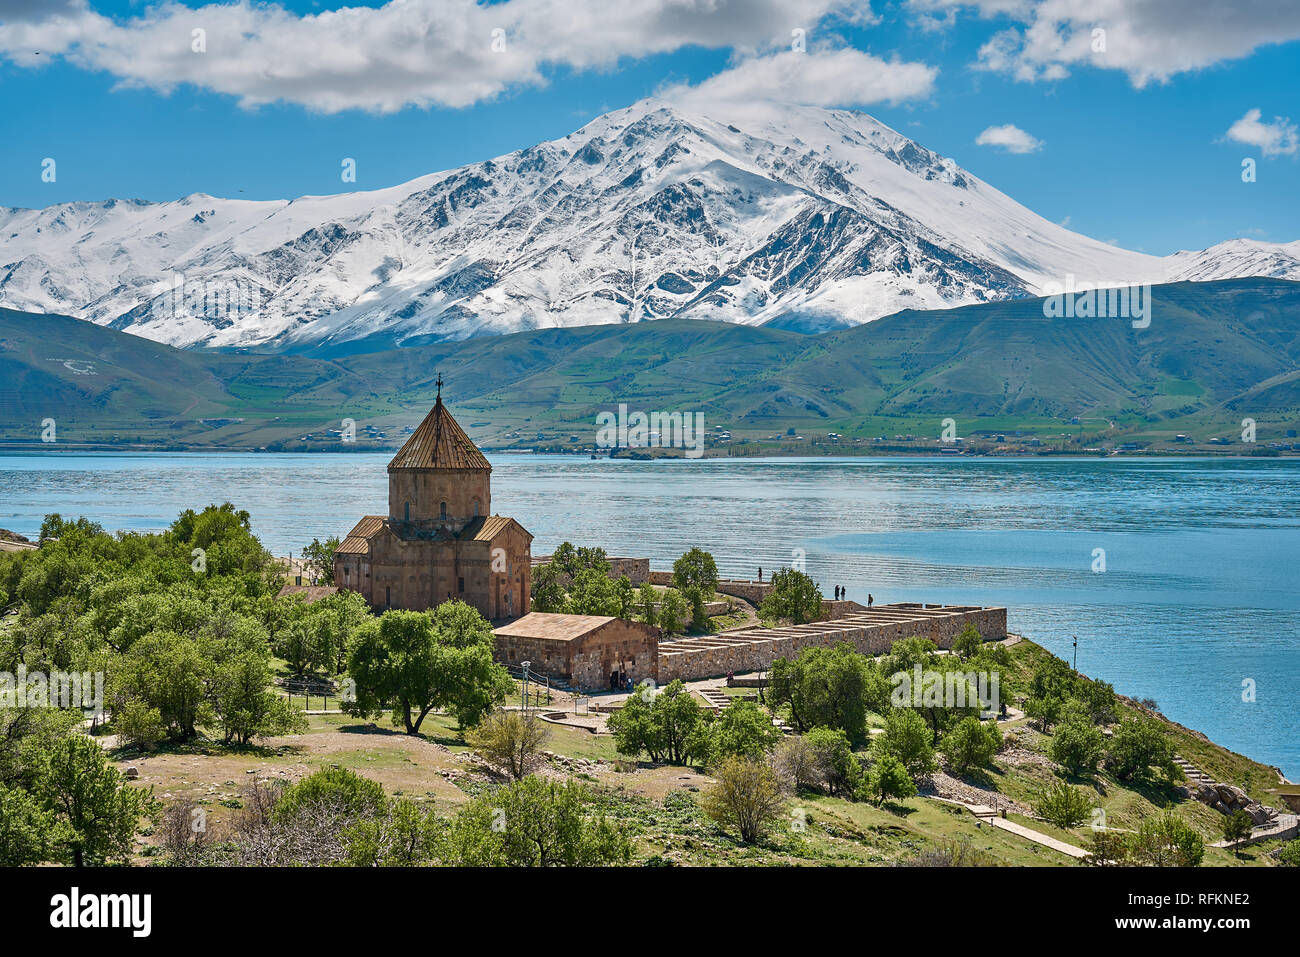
(1076, 653)
(526, 664)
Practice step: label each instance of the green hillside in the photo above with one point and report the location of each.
(1214, 354)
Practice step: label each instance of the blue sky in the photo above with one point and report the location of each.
(1131, 144)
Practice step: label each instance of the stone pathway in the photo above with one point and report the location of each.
(1038, 837)
(990, 816)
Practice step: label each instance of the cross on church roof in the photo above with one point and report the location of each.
(439, 383)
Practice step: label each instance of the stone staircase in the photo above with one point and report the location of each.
(715, 698)
(1226, 799)
(1194, 774)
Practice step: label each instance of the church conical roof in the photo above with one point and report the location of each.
(439, 443)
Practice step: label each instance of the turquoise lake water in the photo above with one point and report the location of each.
(1202, 557)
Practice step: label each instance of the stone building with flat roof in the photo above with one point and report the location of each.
(439, 540)
(582, 650)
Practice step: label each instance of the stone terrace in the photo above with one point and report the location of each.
(872, 631)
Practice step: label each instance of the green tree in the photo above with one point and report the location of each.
(661, 723)
(823, 686)
(29, 833)
(887, 778)
(646, 599)
(1237, 826)
(1077, 746)
(535, 823)
(318, 557)
(672, 613)
(414, 662)
(338, 617)
(168, 673)
(1098, 699)
(1063, 805)
(1138, 747)
(243, 704)
(907, 653)
(967, 643)
(626, 596)
(742, 729)
(89, 796)
(696, 569)
(746, 797)
(548, 588)
(695, 575)
(794, 597)
(907, 738)
(1044, 710)
(591, 592)
(971, 744)
(1166, 840)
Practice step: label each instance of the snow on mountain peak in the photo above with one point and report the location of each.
(798, 215)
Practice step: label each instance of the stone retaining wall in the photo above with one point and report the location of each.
(752, 592)
(872, 632)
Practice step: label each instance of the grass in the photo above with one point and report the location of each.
(659, 805)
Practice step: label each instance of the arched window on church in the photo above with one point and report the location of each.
(442, 509)
(476, 508)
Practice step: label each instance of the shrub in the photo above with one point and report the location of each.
(534, 823)
(510, 741)
(1166, 840)
(794, 597)
(837, 765)
(1076, 746)
(747, 797)
(971, 744)
(797, 763)
(348, 792)
(907, 738)
(1063, 805)
(887, 778)
(1138, 746)
(1289, 854)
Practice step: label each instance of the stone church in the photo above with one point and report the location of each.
(439, 539)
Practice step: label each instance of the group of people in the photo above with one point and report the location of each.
(620, 680)
(841, 593)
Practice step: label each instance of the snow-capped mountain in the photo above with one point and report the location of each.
(802, 216)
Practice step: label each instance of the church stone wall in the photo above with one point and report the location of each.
(466, 492)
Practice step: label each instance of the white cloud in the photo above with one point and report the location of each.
(407, 52)
(1278, 138)
(1150, 40)
(844, 77)
(1010, 138)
